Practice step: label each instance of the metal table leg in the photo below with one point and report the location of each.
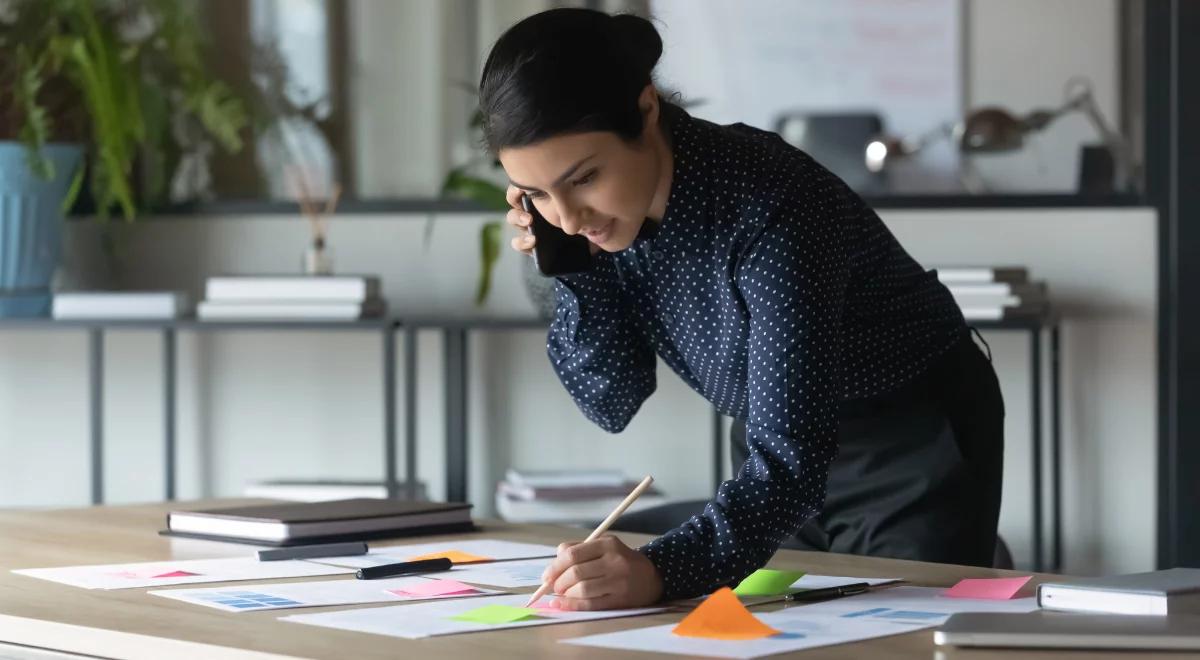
(169, 445)
(410, 412)
(389, 410)
(1035, 366)
(96, 391)
(456, 414)
(1055, 450)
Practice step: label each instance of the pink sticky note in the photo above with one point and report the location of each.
(987, 588)
(176, 574)
(434, 588)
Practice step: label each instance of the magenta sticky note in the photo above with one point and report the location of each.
(176, 574)
(434, 588)
(987, 588)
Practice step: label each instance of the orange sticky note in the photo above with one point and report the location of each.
(456, 556)
(722, 616)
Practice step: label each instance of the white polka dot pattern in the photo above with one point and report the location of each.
(775, 293)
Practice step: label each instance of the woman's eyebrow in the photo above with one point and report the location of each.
(562, 177)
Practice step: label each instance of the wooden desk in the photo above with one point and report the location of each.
(132, 624)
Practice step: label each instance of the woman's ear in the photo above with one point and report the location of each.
(648, 106)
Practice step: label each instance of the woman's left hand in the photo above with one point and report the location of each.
(603, 574)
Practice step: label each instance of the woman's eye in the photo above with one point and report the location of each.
(586, 178)
(535, 195)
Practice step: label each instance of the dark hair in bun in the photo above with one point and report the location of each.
(567, 71)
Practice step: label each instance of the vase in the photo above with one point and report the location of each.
(31, 226)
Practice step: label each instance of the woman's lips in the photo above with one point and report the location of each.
(598, 236)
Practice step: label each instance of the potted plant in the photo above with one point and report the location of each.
(88, 88)
(477, 181)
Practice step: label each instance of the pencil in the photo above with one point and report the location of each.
(602, 527)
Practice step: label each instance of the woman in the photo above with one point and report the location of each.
(871, 422)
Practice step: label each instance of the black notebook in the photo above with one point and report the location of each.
(295, 523)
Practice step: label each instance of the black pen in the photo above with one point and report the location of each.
(404, 568)
(818, 594)
(828, 592)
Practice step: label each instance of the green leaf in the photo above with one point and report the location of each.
(36, 130)
(482, 191)
(489, 252)
(73, 191)
(222, 115)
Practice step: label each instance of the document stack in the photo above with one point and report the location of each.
(119, 305)
(291, 298)
(995, 293)
(567, 496)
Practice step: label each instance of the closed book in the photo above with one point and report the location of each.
(1023, 312)
(567, 493)
(983, 274)
(568, 511)
(1024, 291)
(312, 288)
(565, 478)
(968, 300)
(1173, 591)
(319, 522)
(288, 311)
(78, 305)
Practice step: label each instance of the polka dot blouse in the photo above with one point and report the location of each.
(774, 292)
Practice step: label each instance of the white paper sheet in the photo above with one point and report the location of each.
(912, 605)
(432, 619)
(798, 633)
(520, 573)
(877, 614)
(493, 549)
(316, 593)
(183, 571)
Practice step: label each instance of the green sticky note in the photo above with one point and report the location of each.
(496, 614)
(768, 582)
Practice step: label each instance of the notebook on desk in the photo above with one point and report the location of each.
(296, 523)
(1172, 591)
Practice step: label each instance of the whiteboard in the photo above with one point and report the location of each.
(753, 60)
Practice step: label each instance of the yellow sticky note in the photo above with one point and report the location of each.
(767, 582)
(455, 556)
(496, 614)
(722, 616)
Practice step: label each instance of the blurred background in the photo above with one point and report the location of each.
(1043, 137)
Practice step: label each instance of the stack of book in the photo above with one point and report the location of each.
(122, 305)
(296, 523)
(291, 298)
(995, 293)
(567, 496)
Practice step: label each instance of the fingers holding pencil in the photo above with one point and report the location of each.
(602, 572)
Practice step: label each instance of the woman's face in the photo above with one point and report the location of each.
(595, 184)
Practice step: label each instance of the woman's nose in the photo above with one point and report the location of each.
(570, 218)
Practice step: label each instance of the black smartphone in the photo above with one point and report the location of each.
(554, 251)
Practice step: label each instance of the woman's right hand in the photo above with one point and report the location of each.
(523, 242)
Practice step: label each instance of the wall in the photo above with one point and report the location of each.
(307, 404)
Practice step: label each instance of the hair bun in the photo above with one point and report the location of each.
(641, 37)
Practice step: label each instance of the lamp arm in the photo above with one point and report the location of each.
(1085, 102)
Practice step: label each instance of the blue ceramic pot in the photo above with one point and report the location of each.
(31, 226)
